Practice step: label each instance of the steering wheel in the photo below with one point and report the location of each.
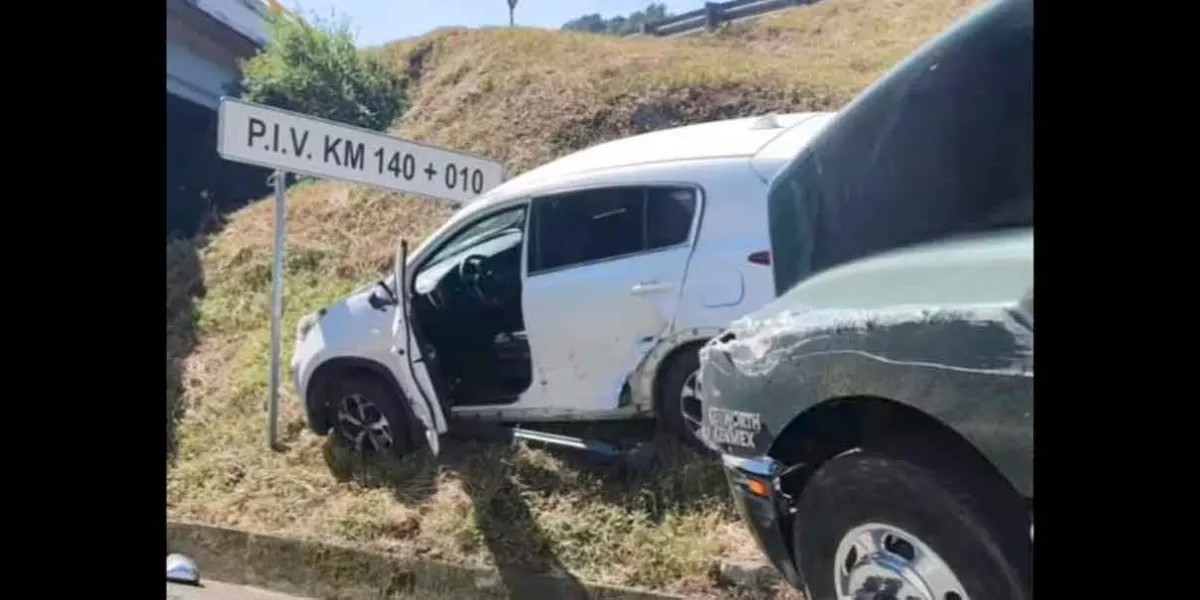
(471, 273)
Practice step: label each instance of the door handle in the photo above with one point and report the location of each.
(649, 287)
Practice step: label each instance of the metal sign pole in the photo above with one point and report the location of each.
(276, 304)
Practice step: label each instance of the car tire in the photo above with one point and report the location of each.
(969, 527)
(366, 397)
(677, 381)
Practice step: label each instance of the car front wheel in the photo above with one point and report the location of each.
(368, 416)
(873, 526)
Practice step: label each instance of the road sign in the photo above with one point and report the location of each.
(290, 142)
(278, 139)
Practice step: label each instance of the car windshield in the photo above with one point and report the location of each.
(941, 146)
(477, 233)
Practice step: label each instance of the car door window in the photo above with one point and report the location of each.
(669, 213)
(591, 225)
(581, 227)
(489, 235)
(480, 230)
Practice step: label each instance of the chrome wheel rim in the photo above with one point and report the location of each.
(691, 408)
(877, 561)
(363, 425)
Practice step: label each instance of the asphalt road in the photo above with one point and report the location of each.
(215, 590)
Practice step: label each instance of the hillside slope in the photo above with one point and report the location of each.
(526, 97)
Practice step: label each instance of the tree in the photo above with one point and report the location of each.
(592, 23)
(619, 25)
(315, 69)
(512, 5)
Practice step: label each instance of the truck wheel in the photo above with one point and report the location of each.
(680, 409)
(368, 415)
(873, 526)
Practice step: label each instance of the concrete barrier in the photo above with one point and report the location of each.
(319, 570)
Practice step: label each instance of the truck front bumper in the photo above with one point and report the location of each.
(768, 517)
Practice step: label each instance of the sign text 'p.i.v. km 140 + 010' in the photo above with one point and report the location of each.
(283, 140)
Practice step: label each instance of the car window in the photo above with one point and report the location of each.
(585, 226)
(590, 225)
(943, 147)
(478, 232)
(669, 213)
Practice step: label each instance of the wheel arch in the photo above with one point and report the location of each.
(328, 371)
(838, 425)
(664, 365)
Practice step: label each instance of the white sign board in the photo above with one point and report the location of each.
(278, 139)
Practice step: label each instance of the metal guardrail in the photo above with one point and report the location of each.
(714, 14)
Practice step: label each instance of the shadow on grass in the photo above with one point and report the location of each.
(201, 190)
(517, 543)
(185, 283)
(501, 478)
(512, 536)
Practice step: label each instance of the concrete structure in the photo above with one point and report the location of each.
(205, 40)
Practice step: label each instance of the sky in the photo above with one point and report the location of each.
(380, 21)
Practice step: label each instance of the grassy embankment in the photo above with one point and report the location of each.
(526, 97)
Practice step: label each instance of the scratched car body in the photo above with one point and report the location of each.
(580, 290)
(876, 420)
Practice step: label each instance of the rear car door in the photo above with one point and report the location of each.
(604, 270)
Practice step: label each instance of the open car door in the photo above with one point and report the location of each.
(426, 395)
(416, 383)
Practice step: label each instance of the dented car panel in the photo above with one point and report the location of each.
(970, 367)
(641, 381)
(941, 327)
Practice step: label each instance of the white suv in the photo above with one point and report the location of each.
(580, 290)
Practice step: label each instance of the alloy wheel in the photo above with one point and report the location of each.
(362, 424)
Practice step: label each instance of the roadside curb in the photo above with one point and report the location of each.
(321, 570)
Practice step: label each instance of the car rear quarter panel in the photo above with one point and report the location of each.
(722, 284)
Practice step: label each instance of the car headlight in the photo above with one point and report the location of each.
(307, 322)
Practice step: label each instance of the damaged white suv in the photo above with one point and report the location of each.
(580, 290)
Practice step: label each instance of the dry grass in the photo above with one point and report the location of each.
(525, 96)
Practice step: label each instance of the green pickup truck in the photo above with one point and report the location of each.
(876, 420)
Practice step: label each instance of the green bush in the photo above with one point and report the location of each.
(312, 67)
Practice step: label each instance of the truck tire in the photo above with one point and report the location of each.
(864, 518)
(677, 387)
(364, 411)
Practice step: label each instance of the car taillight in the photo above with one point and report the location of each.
(762, 257)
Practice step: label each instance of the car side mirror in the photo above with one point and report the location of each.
(181, 569)
(378, 302)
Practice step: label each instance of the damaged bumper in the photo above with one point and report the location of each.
(751, 483)
(741, 440)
